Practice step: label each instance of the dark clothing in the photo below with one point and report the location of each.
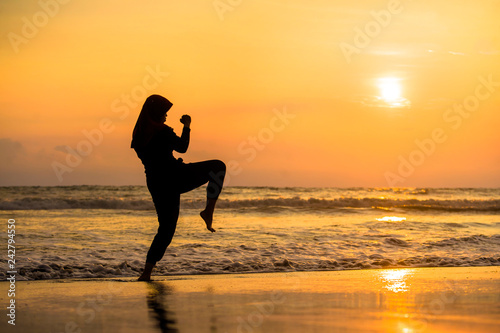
(168, 177)
(157, 154)
(166, 200)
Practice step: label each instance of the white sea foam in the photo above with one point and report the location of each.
(89, 232)
(35, 203)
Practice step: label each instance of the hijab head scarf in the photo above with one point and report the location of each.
(150, 120)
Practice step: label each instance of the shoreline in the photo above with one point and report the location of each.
(180, 276)
(426, 299)
(177, 276)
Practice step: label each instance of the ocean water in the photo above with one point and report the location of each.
(105, 231)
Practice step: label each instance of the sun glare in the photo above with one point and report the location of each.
(396, 279)
(390, 92)
(390, 89)
(391, 219)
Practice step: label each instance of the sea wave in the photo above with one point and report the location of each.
(193, 257)
(57, 270)
(36, 203)
(457, 205)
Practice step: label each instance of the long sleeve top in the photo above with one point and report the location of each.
(157, 156)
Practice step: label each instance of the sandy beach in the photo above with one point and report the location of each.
(454, 299)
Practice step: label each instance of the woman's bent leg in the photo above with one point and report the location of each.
(197, 174)
(213, 172)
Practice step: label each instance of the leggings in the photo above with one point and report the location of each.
(166, 198)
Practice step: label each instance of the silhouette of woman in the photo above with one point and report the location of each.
(167, 177)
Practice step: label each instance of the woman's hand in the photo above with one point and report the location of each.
(186, 120)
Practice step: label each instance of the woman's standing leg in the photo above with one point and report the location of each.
(167, 209)
(192, 176)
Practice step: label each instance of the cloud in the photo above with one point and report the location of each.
(25, 164)
(10, 149)
(61, 148)
(379, 102)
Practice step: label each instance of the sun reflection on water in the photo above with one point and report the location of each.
(395, 280)
(391, 219)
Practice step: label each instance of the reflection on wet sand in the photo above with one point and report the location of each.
(158, 307)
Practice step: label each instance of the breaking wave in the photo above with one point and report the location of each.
(457, 205)
(58, 270)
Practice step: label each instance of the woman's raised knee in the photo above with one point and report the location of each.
(219, 165)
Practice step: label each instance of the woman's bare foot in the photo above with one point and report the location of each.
(144, 278)
(207, 217)
(146, 274)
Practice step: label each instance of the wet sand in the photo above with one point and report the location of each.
(454, 299)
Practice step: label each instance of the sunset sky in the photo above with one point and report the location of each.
(287, 93)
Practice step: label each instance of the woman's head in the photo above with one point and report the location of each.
(150, 120)
(156, 107)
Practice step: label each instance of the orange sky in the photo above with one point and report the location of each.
(289, 93)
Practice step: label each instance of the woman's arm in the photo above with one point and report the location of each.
(182, 144)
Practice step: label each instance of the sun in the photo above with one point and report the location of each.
(390, 93)
(390, 89)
